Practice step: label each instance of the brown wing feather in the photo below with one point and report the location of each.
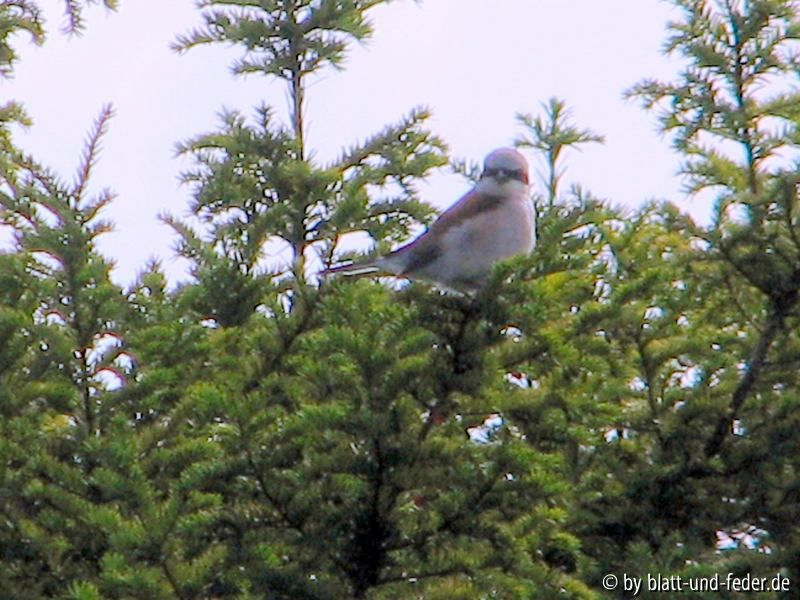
(470, 205)
(426, 248)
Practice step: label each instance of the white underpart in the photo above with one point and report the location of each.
(470, 250)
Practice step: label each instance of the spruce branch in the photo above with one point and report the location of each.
(551, 135)
(17, 15)
(74, 13)
(753, 369)
(91, 153)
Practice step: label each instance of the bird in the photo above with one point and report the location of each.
(491, 222)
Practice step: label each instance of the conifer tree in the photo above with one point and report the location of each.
(704, 318)
(341, 412)
(621, 401)
(24, 16)
(254, 183)
(59, 404)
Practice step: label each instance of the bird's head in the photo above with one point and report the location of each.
(505, 170)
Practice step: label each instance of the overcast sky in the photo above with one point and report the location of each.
(475, 63)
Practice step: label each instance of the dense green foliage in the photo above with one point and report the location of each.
(624, 401)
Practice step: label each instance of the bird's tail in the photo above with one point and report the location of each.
(352, 270)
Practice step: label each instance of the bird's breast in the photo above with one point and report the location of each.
(470, 249)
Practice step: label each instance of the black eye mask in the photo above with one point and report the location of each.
(509, 173)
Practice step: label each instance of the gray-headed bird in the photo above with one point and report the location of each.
(491, 222)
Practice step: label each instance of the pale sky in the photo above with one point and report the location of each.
(475, 63)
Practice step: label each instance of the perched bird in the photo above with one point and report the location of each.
(491, 222)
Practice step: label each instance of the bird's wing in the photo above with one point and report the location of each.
(470, 205)
(416, 255)
(427, 247)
